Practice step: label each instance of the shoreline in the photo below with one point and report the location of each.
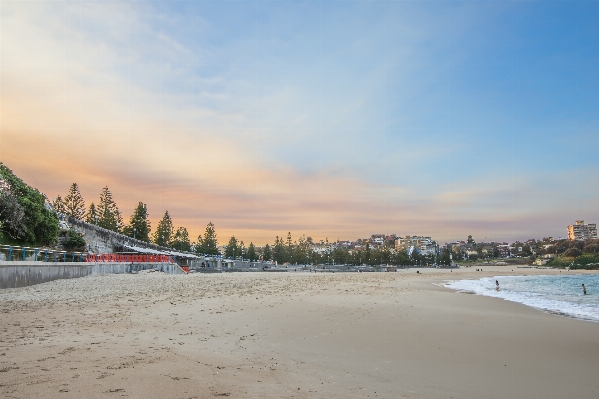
(288, 335)
(555, 306)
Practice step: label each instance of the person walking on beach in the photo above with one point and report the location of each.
(584, 290)
(496, 285)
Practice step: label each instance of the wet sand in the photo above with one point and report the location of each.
(288, 335)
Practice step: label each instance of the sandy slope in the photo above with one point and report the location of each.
(279, 335)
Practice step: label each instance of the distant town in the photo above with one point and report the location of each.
(582, 239)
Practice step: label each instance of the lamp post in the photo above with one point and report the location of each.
(134, 230)
(163, 240)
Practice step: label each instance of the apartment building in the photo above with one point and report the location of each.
(581, 231)
(425, 245)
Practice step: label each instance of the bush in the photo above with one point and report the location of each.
(74, 241)
(559, 263)
(594, 266)
(586, 260)
(38, 225)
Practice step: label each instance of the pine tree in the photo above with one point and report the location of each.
(73, 203)
(181, 240)
(164, 231)
(109, 216)
(252, 252)
(197, 246)
(91, 216)
(208, 245)
(300, 251)
(139, 224)
(232, 250)
(58, 205)
(278, 253)
(241, 247)
(289, 249)
(267, 253)
(367, 254)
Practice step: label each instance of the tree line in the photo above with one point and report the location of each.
(302, 252)
(106, 214)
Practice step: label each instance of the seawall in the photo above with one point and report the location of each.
(24, 274)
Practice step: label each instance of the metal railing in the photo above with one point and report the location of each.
(17, 253)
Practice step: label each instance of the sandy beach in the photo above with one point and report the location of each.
(288, 335)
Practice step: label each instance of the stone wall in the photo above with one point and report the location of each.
(104, 241)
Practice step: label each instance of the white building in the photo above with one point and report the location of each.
(581, 231)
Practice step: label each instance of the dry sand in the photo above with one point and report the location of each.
(288, 335)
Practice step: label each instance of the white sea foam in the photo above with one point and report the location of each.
(557, 294)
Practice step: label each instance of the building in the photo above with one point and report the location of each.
(488, 251)
(504, 251)
(425, 245)
(466, 250)
(581, 231)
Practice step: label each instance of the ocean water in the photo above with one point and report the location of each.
(561, 294)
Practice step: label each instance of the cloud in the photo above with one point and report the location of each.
(258, 118)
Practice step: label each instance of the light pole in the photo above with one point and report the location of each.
(163, 240)
(134, 230)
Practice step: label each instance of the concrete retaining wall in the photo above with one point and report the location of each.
(23, 274)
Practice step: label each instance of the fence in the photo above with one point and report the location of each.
(129, 258)
(15, 253)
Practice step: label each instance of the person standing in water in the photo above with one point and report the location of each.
(584, 289)
(496, 285)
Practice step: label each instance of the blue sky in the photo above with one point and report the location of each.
(337, 119)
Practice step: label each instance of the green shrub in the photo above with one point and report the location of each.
(74, 241)
(588, 262)
(38, 225)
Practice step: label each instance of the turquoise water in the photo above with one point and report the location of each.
(558, 294)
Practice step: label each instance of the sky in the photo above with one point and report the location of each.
(329, 119)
